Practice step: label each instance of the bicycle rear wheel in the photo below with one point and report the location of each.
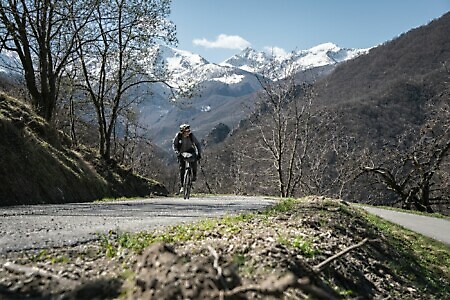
(187, 183)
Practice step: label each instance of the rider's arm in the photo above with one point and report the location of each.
(197, 145)
(175, 144)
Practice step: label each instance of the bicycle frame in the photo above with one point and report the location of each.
(187, 179)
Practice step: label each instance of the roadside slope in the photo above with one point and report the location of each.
(38, 164)
(313, 248)
(434, 228)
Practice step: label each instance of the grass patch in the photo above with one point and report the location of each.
(425, 261)
(283, 206)
(45, 256)
(226, 225)
(114, 242)
(304, 246)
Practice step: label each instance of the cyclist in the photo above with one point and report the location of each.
(185, 141)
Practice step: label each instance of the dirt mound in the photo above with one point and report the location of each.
(312, 250)
(163, 274)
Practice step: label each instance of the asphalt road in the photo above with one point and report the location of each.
(435, 228)
(42, 226)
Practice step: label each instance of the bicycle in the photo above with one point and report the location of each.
(187, 179)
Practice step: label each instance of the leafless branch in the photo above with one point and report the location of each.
(319, 267)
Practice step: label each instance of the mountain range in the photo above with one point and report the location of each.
(387, 110)
(366, 102)
(226, 91)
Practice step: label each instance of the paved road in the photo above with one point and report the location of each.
(438, 229)
(41, 226)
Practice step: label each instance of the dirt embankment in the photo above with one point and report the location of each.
(317, 249)
(39, 164)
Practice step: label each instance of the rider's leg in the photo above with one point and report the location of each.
(182, 168)
(194, 170)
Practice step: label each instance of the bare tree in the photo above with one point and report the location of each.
(40, 32)
(285, 124)
(117, 53)
(420, 176)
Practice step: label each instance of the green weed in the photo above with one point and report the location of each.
(305, 247)
(239, 259)
(284, 206)
(43, 255)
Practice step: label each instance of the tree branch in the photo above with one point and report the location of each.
(319, 267)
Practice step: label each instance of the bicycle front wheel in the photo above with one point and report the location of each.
(187, 184)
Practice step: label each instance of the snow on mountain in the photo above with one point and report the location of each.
(179, 61)
(10, 63)
(249, 60)
(225, 88)
(184, 64)
(318, 56)
(325, 54)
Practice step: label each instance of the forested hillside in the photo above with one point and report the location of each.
(77, 130)
(375, 130)
(412, 57)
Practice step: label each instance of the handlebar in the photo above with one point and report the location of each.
(188, 156)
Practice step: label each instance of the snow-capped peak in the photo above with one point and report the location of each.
(179, 61)
(184, 64)
(320, 55)
(324, 47)
(248, 59)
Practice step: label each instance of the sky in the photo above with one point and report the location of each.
(219, 29)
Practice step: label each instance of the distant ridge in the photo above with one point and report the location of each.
(411, 56)
(370, 108)
(227, 89)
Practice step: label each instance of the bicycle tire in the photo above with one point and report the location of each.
(187, 184)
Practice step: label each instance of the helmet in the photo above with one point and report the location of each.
(184, 127)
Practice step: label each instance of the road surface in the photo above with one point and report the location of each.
(435, 228)
(42, 226)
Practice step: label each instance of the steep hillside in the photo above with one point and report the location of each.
(410, 57)
(377, 103)
(393, 89)
(38, 166)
